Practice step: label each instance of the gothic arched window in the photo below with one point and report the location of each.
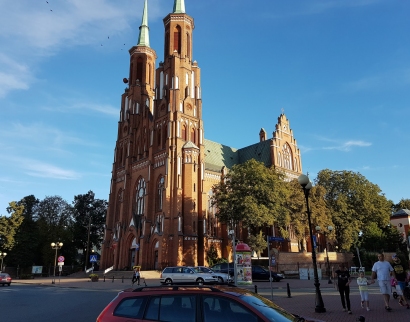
(183, 132)
(160, 193)
(139, 200)
(177, 39)
(287, 157)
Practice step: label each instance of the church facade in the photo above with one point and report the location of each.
(159, 211)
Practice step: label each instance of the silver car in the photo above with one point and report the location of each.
(186, 275)
(222, 277)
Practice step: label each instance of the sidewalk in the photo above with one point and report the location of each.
(302, 300)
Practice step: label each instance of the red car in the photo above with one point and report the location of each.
(5, 279)
(193, 304)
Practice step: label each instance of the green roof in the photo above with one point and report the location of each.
(218, 155)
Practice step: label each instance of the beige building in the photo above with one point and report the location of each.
(159, 210)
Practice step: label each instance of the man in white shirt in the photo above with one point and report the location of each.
(382, 270)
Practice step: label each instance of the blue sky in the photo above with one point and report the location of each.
(340, 70)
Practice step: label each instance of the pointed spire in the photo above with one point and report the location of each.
(179, 6)
(143, 39)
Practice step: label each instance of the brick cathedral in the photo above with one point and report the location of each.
(159, 210)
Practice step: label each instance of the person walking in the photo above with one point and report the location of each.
(364, 290)
(343, 283)
(400, 280)
(382, 270)
(136, 276)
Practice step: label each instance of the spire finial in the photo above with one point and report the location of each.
(179, 6)
(143, 38)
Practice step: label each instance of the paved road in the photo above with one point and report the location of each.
(302, 300)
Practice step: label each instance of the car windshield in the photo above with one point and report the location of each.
(206, 270)
(270, 310)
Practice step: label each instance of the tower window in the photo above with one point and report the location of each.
(183, 132)
(139, 69)
(177, 39)
(188, 45)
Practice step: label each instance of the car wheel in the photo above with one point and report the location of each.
(9, 284)
(220, 280)
(200, 281)
(168, 281)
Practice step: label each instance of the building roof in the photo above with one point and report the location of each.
(218, 155)
(401, 212)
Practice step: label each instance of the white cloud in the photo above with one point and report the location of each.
(13, 75)
(39, 169)
(390, 79)
(103, 109)
(348, 145)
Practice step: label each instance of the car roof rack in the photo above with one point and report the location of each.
(178, 287)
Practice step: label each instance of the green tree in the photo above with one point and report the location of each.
(26, 251)
(258, 243)
(252, 194)
(53, 217)
(88, 212)
(403, 204)
(212, 255)
(354, 203)
(297, 219)
(9, 225)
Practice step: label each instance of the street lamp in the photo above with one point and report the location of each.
(329, 228)
(88, 244)
(306, 186)
(2, 255)
(55, 246)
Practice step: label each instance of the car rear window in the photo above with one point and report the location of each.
(172, 308)
(132, 307)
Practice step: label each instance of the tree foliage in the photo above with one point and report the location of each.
(297, 218)
(26, 251)
(88, 212)
(250, 193)
(387, 239)
(258, 242)
(9, 225)
(354, 203)
(403, 204)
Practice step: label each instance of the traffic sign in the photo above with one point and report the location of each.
(60, 264)
(93, 258)
(61, 258)
(278, 239)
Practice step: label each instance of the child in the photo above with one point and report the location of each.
(363, 289)
(136, 276)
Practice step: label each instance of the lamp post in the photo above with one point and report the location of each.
(88, 245)
(306, 186)
(329, 228)
(55, 246)
(2, 255)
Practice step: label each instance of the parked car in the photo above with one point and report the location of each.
(259, 273)
(226, 268)
(194, 303)
(222, 277)
(5, 279)
(186, 275)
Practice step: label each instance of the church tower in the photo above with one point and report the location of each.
(156, 185)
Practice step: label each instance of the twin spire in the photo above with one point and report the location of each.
(179, 6)
(143, 38)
